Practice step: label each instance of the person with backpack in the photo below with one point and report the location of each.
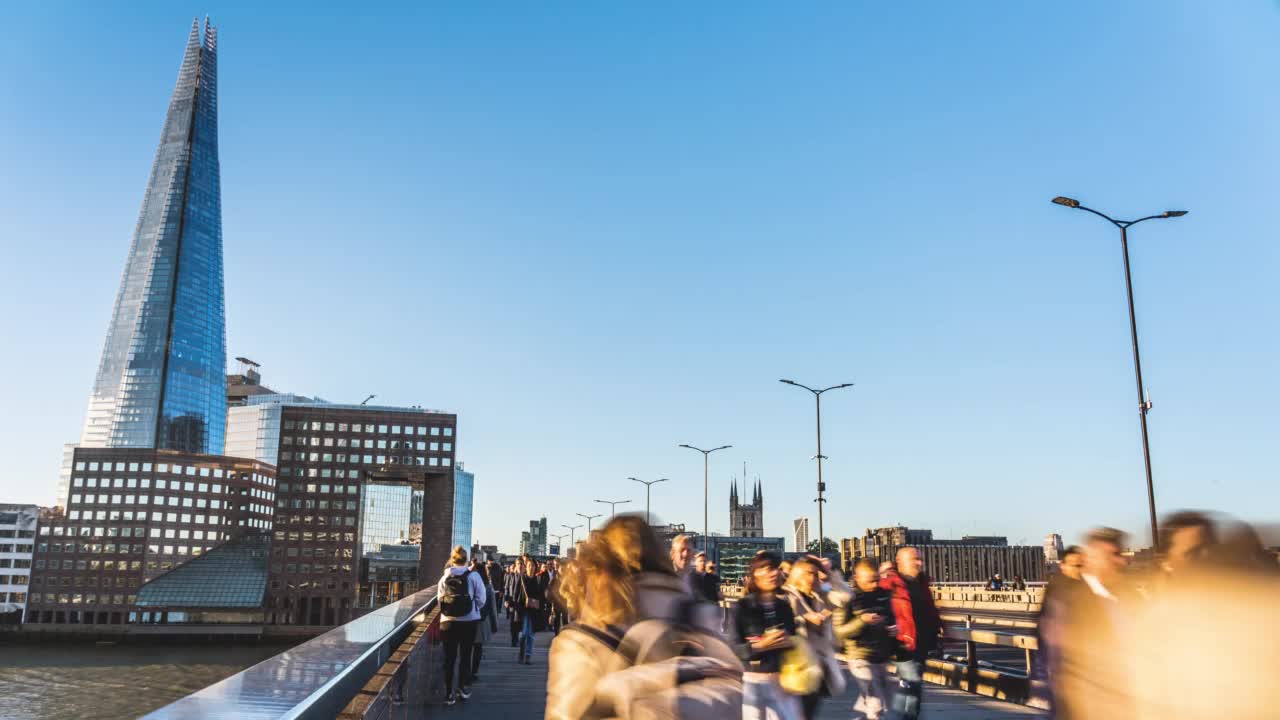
(764, 628)
(639, 645)
(530, 601)
(461, 594)
(488, 624)
(867, 628)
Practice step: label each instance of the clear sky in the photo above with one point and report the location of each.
(597, 231)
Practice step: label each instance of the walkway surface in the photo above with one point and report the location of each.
(507, 690)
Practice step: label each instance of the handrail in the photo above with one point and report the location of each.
(313, 680)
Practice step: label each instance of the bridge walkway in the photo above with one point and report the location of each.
(507, 690)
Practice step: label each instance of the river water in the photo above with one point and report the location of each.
(87, 680)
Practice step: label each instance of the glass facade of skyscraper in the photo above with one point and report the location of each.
(160, 383)
(464, 484)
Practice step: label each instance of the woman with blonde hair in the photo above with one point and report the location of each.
(461, 594)
(640, 644)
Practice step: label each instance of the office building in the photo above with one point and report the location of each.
(134, 516)
(801, 527)
(746, 519)
(972, 558)
(388, 573)
(732, 555)
(17, 547)
(534, 541)
(464, 484)
(328, 454)
(161, 380)
(1053, 549)
(246, 381)
(385, 512)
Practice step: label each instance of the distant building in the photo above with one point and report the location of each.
(746, 519)
(801, 526)
(1053, 548)
(970, 559)
(388, 573)
(667, 533)
(534, 541)
(246, 382)
(732, 555)
(17, 548)
(464, 484)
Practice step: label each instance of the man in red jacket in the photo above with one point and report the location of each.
(919, 628)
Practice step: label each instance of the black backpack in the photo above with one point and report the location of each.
(456, 600)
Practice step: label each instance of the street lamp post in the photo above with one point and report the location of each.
(817, 397)
(572, 529)
(613, 506)
(706, 534)
(647, 484)
(589, 518)
(1144, 404)
(559, 539)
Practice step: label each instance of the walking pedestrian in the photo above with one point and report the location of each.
(682, 560)
(512, 584)
(1094, 678)
(919, 628)
(530, 606)
(706, 585)
(764, 628)
(813, 627)
(462, 594)
(866, 626)
(488, 624)
(636, 647)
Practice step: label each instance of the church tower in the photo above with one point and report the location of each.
(746, 520)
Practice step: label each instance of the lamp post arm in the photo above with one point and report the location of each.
(1104, 216)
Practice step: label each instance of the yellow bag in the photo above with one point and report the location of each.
(801, 672)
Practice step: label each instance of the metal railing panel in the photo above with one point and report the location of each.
(315, 679)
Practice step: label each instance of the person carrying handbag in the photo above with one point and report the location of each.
(813, 628)
(530, 607)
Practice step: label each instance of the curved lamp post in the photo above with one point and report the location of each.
(705, 454)
(817, 397)
(1144, 404)
(647, 484)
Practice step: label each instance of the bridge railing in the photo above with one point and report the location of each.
(317, 679)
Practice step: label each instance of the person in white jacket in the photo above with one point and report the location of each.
(461, 594)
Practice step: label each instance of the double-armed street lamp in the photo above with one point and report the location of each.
(1144, 404)
(589, 518)
(647, 484)
(613, 506)
(572, 529)
(705, 454)
(559, 539)
(817, 397)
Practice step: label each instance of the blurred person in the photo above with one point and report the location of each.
(764, 627)
(1091, 677)
(813, 627)
(1019, 585)
(530, 606)
(630, 650)
(512, 580)
(866, 627)
(886, 569)
(1185, 665)
(461, 594)
(919, 628)
(706, 584)
(1050, 623)
(488, 624)
(682, 559)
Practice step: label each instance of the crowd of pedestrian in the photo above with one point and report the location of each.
(641, 629)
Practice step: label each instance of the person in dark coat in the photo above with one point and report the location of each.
(764, 627)
(530, 606)
(866, 626)
(919, 628)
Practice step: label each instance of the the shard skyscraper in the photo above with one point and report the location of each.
(161, 381)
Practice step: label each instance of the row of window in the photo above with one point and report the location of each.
(310, 569)
(16, 548)
(288, 471)
(308, 552)
(14, 597)
(168, 534)
(175, 469)
(162, 484)
(309, 504)
(17, 533)
(308, 536)
(356, 443)
(82, 598)
(14, 579)
(173, 501)
(337, 521)
(92, 580)
(316, 426)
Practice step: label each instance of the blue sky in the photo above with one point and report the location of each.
(597, 231)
